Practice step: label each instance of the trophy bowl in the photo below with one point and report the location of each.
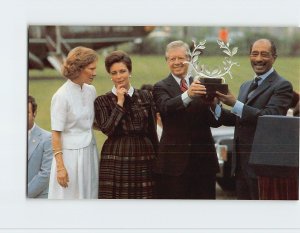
(212, 79)
(212, 85)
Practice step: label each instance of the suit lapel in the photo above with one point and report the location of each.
(263, 86)
(34, 140)
(244, 92)
(174, 88)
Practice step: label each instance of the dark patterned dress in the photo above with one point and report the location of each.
(128, 153)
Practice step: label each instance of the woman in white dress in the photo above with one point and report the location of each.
(74, 171)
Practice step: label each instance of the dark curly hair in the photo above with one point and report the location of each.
(118, 56)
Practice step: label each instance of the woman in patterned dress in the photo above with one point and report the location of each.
(126, 115)
(74, 171)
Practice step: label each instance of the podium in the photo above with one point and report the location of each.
(275, 157)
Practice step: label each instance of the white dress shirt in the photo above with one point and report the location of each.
(30, 130)
(129, 92)
(184, 96)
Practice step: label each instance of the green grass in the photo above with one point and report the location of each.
(146, 69)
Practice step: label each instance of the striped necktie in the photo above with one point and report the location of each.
(183, 85)
(254, 85)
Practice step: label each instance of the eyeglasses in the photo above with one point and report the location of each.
(262, 54)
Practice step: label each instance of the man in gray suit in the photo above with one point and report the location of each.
(267, 94)
(39, 155)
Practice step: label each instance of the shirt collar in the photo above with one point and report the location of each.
(129, 92)
(75, 85)
(264, 76)
(30, 130)
(177, 79)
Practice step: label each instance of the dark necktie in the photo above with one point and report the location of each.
(254, 85)
(183, 85)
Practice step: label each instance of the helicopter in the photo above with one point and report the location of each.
(49, 45)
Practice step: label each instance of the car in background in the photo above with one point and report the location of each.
(223, 137)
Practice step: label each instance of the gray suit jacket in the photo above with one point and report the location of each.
(39, 163)
(272, 97)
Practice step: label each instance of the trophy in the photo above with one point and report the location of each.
(213, 79)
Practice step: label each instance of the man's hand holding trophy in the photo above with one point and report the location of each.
(212, 79)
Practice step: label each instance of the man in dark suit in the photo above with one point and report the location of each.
(187, 163)
(267, 94)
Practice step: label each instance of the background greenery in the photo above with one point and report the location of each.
(287, 39)
(146, 70)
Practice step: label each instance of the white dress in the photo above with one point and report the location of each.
(72, 113)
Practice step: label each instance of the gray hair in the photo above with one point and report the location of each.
(178, 44)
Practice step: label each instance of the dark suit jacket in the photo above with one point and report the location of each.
(186, 131)
(272, 97)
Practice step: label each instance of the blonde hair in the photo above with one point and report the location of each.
(77, 59)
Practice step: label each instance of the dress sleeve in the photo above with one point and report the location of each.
(106, 118)
(59, 109)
